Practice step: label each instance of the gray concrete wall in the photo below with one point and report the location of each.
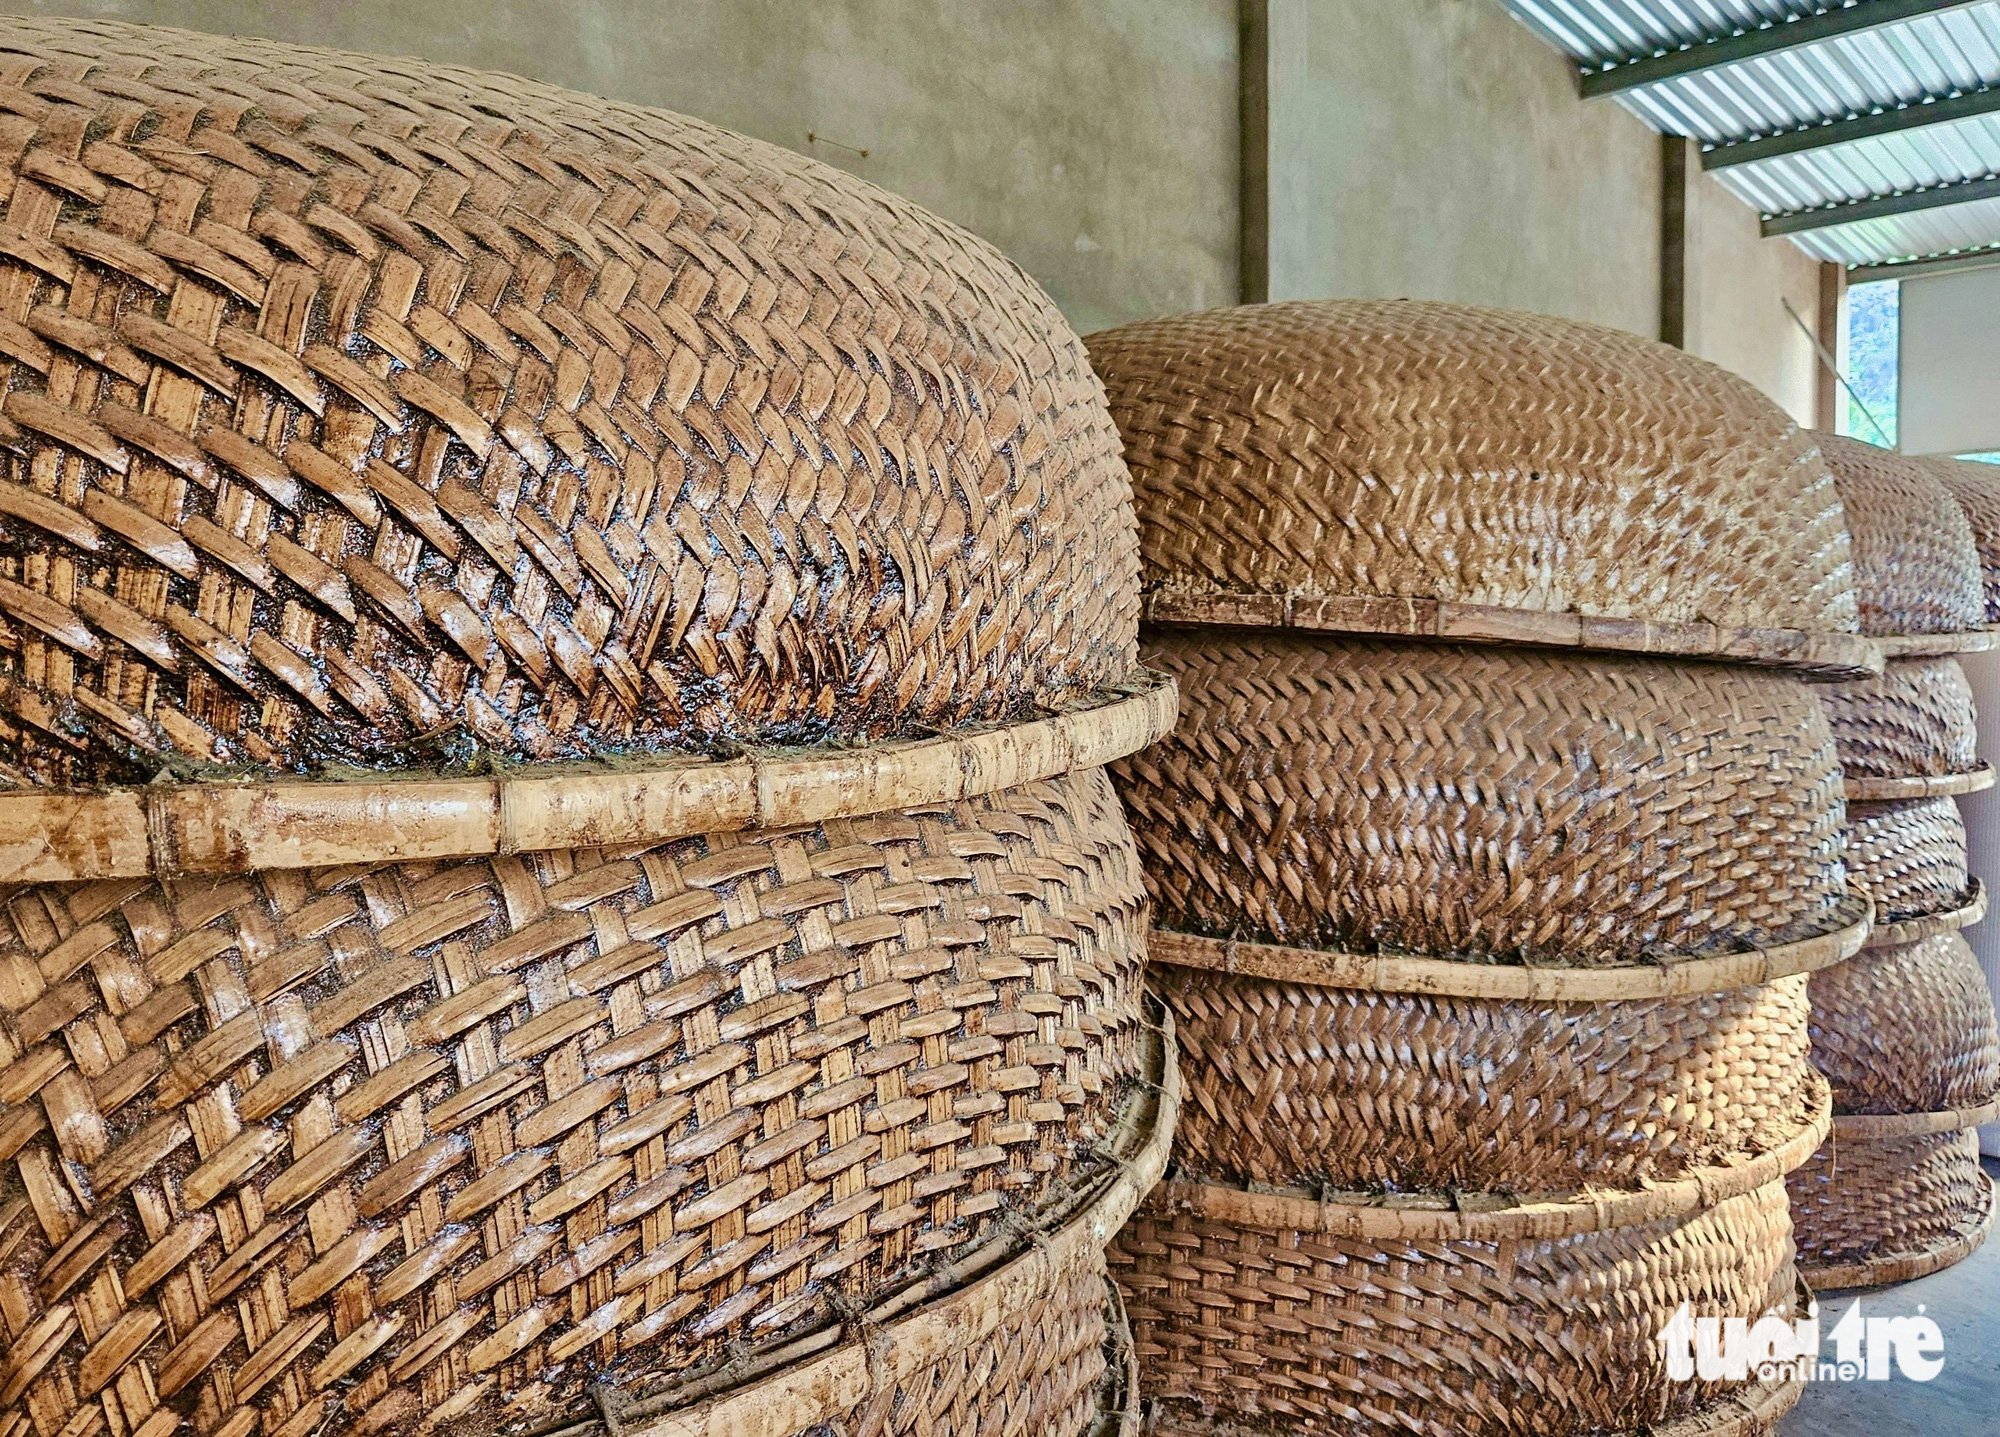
(1742, 282)
(1093, 142)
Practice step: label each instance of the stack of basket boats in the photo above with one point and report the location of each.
(1498, 834)
(1905, 1030)
(555, 671)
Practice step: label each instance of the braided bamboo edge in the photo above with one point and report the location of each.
(1915, 1125)
(1945, 785)
(1937, 646)
(1367, 1215)
(1750, 1412)
(895, 1343)
(1906, 1266)
(1829, 656)
(1443, 977)
(170, 830)
(1915, 930)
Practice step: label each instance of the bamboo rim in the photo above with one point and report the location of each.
(1937, 646)
(1915, 930)
(172, 829)
(1875, 1127)
(1905, 1266)
(894, 1343)
(1428, 1218)
(1749, 1411)
(1442, 977)
(1863, 789)
(1827, 656)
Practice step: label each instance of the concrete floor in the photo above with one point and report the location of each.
(1961, 1401)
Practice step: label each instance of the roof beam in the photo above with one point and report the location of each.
(1931, 264)
(1881, 206)
(1749, 44)
(1942, 111)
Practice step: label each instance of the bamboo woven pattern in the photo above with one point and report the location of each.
(1916, 565)
(412, 1134)
(1976, 487)
(363, 410)
(1319, 1334)
(1289, 1084)
(1906, 1029)
(1889, 1201)
(1908, 855)
(1438, 451)
(1918, 718)
(1489, 804)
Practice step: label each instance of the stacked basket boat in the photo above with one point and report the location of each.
(556, 666)
(1499, 832)
(1905, 1031)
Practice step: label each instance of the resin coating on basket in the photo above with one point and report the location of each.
(1916, 564)
(1899, 1206)
(1908, 855)
(1906, 1029)
(1481, 803)
(1436, 451)
(369, 411)
(1917, 719)
(264, 1135)
(1290, 1084)
(1314, 1333)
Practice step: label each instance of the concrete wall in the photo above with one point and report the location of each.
(1093, 142)
(1736, 305)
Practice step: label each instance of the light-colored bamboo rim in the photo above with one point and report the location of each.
(1414, 1217)
(1748, 1411)
(1937, 646)
(1877, 1127)
(1862, 789)
(1915, 930)
(1905, 1266)
(169, 829)
(897, 1341)
(1445, 978)
(1828, 656)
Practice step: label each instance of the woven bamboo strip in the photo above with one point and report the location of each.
(1915, 930)
(1495, 806)
(174, 829)
(370, 411)
(498, 1123)
(1950, 785)
(1248, 1307)
(1916, 563)
(1977, 489)
(1869, 1212)
(1934, 646)
(1335, 452)
(1916, 719)
(1909, 1029)
(1912, 1125)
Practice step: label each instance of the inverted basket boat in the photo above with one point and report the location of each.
(1488, 804)
(1909, 857)
(1346, 1314)
(1409, 1073)
(1440, 471)
(492, 1124)
(362, 410)
(1917, 719)
(1906, 1029)
(1869, 1210)
(1976, 487)
(1915, 560)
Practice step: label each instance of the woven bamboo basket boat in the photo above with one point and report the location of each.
(1345, 1313)
(1977, 489)
(1591, 490)
(1909, 857)
(1885, 1206)
(1907, 1029)
(1916, 720)
(1491, 805)
(1419, 1074)
(364, 408)
(1916, 562)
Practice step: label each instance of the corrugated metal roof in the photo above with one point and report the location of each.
(1909, 62)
